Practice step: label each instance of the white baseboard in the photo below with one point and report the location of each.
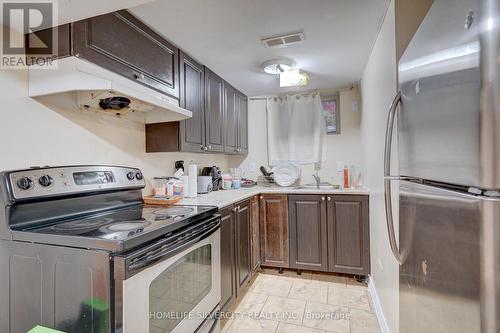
(377, 307)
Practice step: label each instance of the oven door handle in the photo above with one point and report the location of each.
(175, 248)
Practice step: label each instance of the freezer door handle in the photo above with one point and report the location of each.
(388, 178)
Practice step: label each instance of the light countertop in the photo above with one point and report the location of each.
(223, 198)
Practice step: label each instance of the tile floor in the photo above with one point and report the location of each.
(307, 303)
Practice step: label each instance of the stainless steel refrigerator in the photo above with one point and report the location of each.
(447, 113)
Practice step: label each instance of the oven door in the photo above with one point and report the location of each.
(177, 292)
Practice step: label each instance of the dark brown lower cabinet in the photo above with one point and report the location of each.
(308, 232)
(243, 252)
(274, 230)
(236, 255)
(348, 234)
(255, 232)
(228, 267)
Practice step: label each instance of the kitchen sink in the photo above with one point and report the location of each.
(321, 186)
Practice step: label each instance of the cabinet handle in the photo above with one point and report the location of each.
(323, 198)
(205, 148)
(139, 76)
(329, 198)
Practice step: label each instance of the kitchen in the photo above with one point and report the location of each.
(335, 161)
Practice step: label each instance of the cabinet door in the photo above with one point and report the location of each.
(228, 276)
(348, 234)
(274, 230)
(243, 257)
(63, 50)
(121, 43)
(231, 106)
(255, 232)
(192, 130)
(214, 112)
(308, 232)
(242, 124)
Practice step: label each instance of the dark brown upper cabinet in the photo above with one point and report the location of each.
(242, 124)
(192, 130)
(214, 112)
(308, 232)
(274, 230)
(348, 234)
(186, 135)
(231, 110)
(236, 118)
(63, 33)
(121, 43)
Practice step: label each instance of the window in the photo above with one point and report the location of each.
(332, 113)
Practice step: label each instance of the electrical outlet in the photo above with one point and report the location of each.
(354, 106)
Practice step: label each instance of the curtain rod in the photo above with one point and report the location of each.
(324, 93)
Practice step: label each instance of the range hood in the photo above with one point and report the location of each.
(91, 88)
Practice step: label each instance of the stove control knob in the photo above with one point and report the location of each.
(46, 180)
(130, 175)
(25, 183)
(138, 176)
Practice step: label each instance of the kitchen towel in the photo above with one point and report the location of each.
(185, 180)
(193, 180)
(295, 128)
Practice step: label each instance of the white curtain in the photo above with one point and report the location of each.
(295, 128)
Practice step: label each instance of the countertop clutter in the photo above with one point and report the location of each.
(223, 198)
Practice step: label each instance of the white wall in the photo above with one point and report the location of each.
(378, 87)
(345, 146)
(33, 135)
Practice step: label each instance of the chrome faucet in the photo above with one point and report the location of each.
(316, 177)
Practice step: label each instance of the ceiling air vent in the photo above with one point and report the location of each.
(284, 40)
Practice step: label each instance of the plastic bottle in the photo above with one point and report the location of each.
(346, 176)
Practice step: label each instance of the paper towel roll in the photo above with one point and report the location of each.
(185, 180)
(193, 180)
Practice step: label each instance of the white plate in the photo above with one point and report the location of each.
(286, 173)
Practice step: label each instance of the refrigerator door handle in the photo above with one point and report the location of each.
(388, 178)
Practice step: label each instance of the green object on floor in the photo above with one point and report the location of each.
(41, 329)
(96, 304)
(94, 317)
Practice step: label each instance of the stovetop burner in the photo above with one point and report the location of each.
(123, 230)
(80, 225)
(125, 226)
(126, 223)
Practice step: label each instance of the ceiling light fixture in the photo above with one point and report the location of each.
(294, 78)
(277, 66)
